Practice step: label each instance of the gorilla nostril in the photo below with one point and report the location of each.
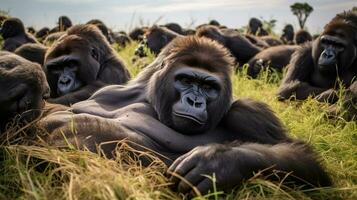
(190, 101)
(198, 104)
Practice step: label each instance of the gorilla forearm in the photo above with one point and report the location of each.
(257, 122)
(80, 95)
(285, 161)
(301, 90)
(87, 131)
(295, 158)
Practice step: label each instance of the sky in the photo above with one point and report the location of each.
(125, 15)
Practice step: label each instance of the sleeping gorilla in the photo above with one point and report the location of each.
(316, 67)
(240, 47)
(181, 107)
(81, 62)
(276, 58)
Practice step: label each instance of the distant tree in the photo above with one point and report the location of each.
(354, 9)
(302, 12)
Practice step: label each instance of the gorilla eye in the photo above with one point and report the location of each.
(206, 87)
(185, 81)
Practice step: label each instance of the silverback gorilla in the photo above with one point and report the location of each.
(81, 62)
(181, 107)
(316, 67)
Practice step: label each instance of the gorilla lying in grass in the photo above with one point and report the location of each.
(180, 107)
(318, 69)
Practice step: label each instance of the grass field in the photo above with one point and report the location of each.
(31, 172)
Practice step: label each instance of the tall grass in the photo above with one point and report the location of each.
(41, 172)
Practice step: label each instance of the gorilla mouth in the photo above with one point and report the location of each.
(190, 117)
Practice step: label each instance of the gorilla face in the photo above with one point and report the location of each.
(189, 99)
(335, 51)
(332, 47)
(72, 64)
(196, 90)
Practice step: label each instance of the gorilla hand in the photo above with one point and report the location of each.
(201, 163)
(329, 96)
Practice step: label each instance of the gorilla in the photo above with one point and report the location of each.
(32, 52)
(214, 22)
(14, 34)
(137, 34)
(103, 28)
(302, 36)
(255, 27)
(81, 62)
(31, 30)
(23, 85)
(181, 108)
(288, 34)
(52, 37)
(316, 68)
(276, 58)
(257, 41)
(271, 40)
(42, 33)
(189, 32)
(155, 39)
(240, 47)
(121, 38)
(174, 27)
(64, 23)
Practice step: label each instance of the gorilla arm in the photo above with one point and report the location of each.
(231, 164)
(79, 95)
(261, 145)
(295, 80)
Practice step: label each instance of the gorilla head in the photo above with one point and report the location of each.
(12, 27)
(64, 23)
(75, 59)
(254, 25)
(288, 34)
(302, 36)
(80, 62)
(336, 49)
(197, 85)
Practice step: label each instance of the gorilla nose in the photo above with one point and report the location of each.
(65, 81)
(328, 55)
(195, 101)
(327, 58)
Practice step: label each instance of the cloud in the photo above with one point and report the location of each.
(195, 5)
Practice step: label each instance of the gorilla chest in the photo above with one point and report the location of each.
(322, 81)
(319, 80)
(141, 118)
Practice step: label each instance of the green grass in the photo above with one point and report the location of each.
(32, 172)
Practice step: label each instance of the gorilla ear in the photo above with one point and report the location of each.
(94, 53)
